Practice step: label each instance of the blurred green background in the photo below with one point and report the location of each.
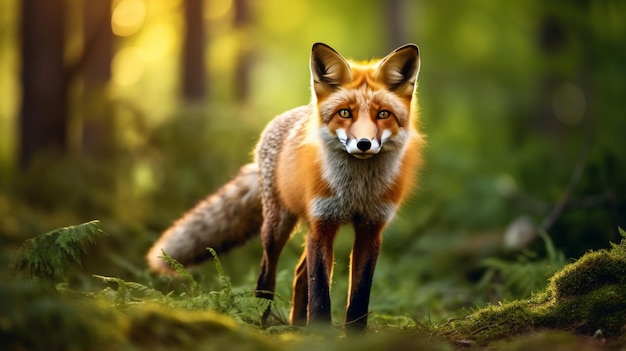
(130, 111)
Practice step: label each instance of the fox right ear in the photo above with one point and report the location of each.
(329, 70)
(399, 70)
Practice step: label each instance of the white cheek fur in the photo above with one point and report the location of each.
(385, 136)
(342, 136)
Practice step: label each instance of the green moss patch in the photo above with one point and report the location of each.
(584, 297)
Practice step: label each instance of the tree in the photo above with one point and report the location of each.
(43, 112)
(395, 9)
(193, 71)
(244, 56)
(95, 65)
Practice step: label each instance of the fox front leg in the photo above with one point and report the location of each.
(367, 241)
(319, 261)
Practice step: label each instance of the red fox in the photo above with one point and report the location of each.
(349, 157)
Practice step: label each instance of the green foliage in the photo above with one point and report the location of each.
(238, 304)
(520, 278)
(53, 255)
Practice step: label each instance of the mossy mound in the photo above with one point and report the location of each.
(583, 297)
(156, 327)
(33, 318)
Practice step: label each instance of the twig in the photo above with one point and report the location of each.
(356, 320)
(557, 211)
(482, 328)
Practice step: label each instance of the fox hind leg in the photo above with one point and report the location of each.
(300, 294)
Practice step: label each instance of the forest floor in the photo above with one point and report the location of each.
(582, 308)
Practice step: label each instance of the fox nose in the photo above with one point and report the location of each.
(364, 144)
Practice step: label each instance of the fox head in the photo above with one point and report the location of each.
(364, 108)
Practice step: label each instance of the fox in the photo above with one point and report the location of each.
(350, 156)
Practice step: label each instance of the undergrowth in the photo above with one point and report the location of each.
(527, 274)
(40, 309)
(239, 304)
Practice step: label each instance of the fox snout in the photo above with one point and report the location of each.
(362, 148)
(365, 148)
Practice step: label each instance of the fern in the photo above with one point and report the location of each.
(240, 305)
(227, 287)
(193, 286)
(525, 275)
(50, 257)
(129, 292)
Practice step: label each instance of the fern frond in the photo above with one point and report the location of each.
(53, 255)
(527, 274)
(228, 289)
(194, 287)
(124, 293)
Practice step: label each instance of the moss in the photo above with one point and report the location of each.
(584, 296)
(590, 294)
(550, 340)
(601, 309)
(593, 270)
(33, 318)
(158, 327)
(494, 322)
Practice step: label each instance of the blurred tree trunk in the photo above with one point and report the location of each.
(43, 114)
(396, 33)
(193, 70)
(244, 57)
(550, 43)
(555, 41)
(96, 70)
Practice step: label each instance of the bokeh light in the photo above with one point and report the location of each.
(217, 9)
(128, 17)
(128, 66)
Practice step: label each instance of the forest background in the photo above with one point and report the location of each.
(131, 111)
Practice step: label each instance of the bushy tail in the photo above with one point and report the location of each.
(225, 219)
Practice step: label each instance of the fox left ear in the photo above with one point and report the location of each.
(399, 70)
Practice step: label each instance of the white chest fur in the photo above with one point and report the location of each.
(358, 185)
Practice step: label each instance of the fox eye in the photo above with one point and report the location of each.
(344, 113)
(383, 114)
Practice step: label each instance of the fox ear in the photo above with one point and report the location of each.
(399, 70)
(329, 70)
